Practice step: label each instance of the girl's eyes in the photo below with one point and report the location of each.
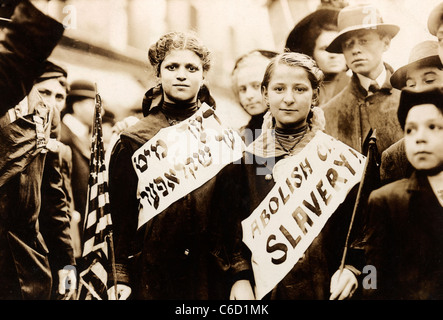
(171, 68)
(192, 68)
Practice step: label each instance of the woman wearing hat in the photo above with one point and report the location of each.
(368, 102)
(311, 36)
(423, 70)
(403, 238)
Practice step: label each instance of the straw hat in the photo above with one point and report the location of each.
(424, 54)
(435, 19)
(359, 17)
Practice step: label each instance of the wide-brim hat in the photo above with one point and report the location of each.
(410, 98)
(297, 36)
(424, 54)
(435, 19)
(360, 17)
(82, 89)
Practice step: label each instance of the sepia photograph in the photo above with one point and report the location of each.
(221, 155)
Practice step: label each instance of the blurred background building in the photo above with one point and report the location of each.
(106, 41)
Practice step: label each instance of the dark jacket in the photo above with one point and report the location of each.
(352, 113)
(171, 256)
(394, 163)
(80, 168)
(404, 242)
(26, 43)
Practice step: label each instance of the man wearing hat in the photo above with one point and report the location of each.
(27, 39)
(403, 238)
(311, 36)
(76, 132)
(424, 70)
(368, 102)
(435, 26)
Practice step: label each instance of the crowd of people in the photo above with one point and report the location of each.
(339, 168)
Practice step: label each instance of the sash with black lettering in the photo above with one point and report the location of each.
(181, 158)
(309, 188)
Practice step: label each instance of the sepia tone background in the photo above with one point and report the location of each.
(106, 41)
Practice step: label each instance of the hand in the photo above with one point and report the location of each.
(67, 284)
(242, 290)
(124, 124)
(343, 285)
(123, 292)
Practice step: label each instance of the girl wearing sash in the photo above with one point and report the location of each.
(170, 256)
(290, 88)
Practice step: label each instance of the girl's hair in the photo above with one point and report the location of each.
(295, 59)
(178, 41)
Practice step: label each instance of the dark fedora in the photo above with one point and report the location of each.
(82, 89)
(297, 37)
(435, 19)
(359, 17)
(424, 54)
(411, 98)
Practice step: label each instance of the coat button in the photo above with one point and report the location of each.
(268, 176)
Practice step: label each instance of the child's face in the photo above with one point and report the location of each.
(181, 74)
(249, 78)
(290, 96)
(363, 51)
(424, 136)
(328, 62)
(419, 78)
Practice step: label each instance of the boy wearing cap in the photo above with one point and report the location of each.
(424, 69)
(368, 102)
(403, 238)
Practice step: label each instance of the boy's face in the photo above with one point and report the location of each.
(440, 42)
(363, 51)
(419, 78)
(424, 136)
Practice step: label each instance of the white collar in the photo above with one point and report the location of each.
(75, 125)
(366, 82)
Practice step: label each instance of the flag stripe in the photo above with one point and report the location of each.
(98, 223)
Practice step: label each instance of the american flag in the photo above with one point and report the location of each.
(97, 257)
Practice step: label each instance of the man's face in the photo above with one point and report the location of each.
(440, 42)
(363, 51)
(51, 92)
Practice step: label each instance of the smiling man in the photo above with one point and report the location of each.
(368, 102)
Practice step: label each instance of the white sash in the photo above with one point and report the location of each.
(309, 188)
(181, 158)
